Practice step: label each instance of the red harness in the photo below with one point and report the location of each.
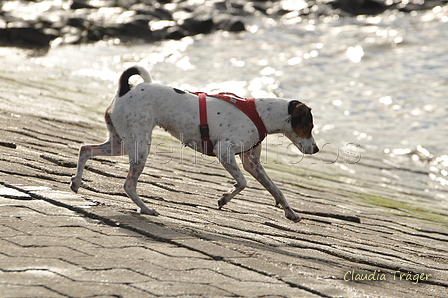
(246, 105)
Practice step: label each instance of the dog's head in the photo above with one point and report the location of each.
(302, 125)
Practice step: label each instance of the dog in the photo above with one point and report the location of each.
(135, 111)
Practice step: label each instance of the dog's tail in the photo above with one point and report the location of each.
(123, 83)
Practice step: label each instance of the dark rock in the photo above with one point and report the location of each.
(238, 7)
(221, 6)
(358, 7)
(162, 14)
(159, 12)
(76, 22)
(137, 28)
(126, 4)
(94, 34)
(229, 23)
(262, 6)
(186, 18)
(172, 32)
(78, 4)
(235, 25)
(282, 12)
(235, 7)
(175, 33)
(26, 37)
(194, 26)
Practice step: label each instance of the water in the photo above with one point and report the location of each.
(377, 83)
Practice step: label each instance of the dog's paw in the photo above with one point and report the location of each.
(291, 215)
(149, 211)
(224, 200)
(221, 203)
(73, 185)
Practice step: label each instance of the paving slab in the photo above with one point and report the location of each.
(27, 291)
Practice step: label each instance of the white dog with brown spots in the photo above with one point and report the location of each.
(134, 112)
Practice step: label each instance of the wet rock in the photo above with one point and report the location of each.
(195, 26)
(138, 28)
(153, 20)
(94, 34)
(157, 12)
(76, 22)
(229, 23)
(262, 6)
(358, 7)
(80, 4)
(25, 37)
(235, 25)
(174, 33)
(221, 6)
(162, 14)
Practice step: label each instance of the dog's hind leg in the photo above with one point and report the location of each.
(112, 147)
(251, 163)
(227, 159)
(138, 152)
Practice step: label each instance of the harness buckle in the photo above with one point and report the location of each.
(203, 129)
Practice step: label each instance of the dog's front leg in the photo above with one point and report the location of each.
(138, 152)
(251, 163)
(226, 156)
(130, 187)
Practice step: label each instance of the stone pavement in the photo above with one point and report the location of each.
(54, 243)
(51, 251)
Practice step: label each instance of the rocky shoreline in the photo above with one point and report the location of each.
(47, 23)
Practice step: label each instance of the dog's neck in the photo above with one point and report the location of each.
(274, 113)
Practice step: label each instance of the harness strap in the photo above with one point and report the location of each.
(246, 105)
(207, 144)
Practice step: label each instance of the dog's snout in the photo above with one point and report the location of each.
(311, 149)
(308, 148)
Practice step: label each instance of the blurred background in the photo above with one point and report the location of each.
(374, 72)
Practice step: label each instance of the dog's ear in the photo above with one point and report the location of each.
(292, 105)
(306, 120)
(300, 114)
